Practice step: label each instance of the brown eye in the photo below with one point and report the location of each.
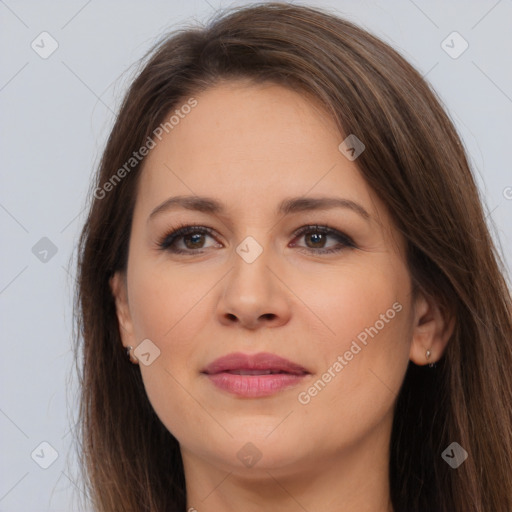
(192, 237)
(316, 237)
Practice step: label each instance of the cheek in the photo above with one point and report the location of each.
(351, 299)
(366, 350)
(163, 307)
(162, 302)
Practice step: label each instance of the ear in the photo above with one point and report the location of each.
(432, 330)
(119, 290)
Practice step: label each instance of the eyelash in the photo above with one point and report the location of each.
(165, 243)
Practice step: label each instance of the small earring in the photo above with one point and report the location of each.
(133, 359)
(427, 354)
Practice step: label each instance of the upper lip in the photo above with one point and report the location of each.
(260, 361)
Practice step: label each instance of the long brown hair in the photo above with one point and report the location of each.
(415, 162)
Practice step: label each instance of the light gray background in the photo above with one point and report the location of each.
(56, 115)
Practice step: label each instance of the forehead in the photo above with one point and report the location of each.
(251, 146)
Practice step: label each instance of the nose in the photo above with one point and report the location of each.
(254, 295)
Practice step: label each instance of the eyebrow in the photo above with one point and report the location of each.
(286, 207)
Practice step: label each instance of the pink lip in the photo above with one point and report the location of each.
(222, 373)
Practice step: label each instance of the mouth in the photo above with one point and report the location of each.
(255, 372)
(255, 375)
(263, 363)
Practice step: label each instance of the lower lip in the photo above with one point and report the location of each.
(254, 386)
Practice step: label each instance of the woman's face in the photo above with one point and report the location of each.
(253, 285)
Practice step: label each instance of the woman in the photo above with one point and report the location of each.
(288, 298)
